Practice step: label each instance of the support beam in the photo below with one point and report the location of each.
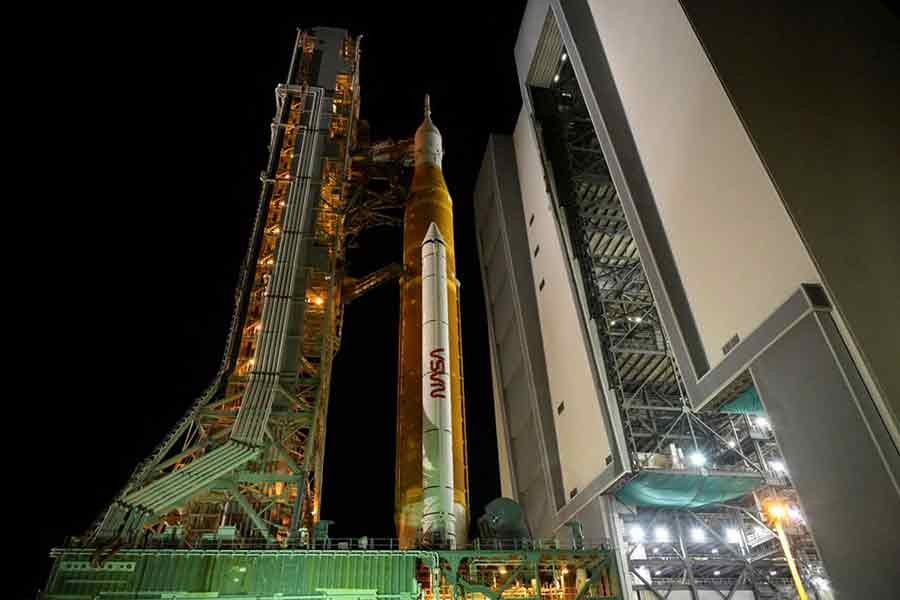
(248, 509)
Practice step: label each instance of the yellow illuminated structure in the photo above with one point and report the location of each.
(778, 513)
(429, 202)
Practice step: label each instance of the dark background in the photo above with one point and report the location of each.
(144, 138)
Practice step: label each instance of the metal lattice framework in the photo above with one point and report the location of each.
(643, 373)
(243, 466)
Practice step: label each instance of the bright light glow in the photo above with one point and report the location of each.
(319, 301)
(715, 550)
(732, 444)
(243, 569)
(761, 422)
(777, 510)
(732, 536)
(697, 459)
(717, 573)
(638, 319)
(661, 534)
(565, 571)
(637, 533)
(502, 570)
(657, 572)
(821, 583)
(777, 466)
(556, 78)
(564, 57)
(698, 535)
(795, 514)
(656, 551)
(773, 573)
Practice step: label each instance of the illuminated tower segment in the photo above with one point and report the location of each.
(429, 205)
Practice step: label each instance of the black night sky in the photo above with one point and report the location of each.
(154, 133)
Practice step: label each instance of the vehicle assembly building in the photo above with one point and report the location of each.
(685, 358)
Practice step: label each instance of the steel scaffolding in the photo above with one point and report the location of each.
(243, 466)
(664, 434)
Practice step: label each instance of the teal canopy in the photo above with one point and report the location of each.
(747, 403)
(680, 489)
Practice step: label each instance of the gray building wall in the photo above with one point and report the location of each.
(816, 85)
(530, 469)
(824, 359)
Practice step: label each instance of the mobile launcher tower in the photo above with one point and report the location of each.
(228, 504)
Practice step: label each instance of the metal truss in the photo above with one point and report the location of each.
(723, 549)
(620, 305)
(245, 462)
(659, 423)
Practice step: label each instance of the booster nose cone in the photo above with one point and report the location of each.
(433, 234)
(429, 146)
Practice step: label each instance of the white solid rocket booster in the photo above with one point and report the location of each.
(438, 518)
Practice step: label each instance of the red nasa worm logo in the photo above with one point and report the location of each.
(438, 368)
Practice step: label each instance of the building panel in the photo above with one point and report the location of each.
(577, 413)
(529, 453)
(722, 215)
(827, 144)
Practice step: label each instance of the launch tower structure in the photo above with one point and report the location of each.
(228, 505)
(245, 461)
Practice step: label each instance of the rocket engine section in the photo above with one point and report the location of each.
(431, 479)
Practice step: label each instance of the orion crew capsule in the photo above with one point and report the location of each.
(431, 479)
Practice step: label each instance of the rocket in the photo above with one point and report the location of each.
(431, 479)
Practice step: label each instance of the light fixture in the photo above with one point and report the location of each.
(795, 514)
(656, 551)
(661, 534)
(657, 572)
(319, 301)
(776, 509)
(732, 536)
(502, 570)
(717, 573)
(698, 535)
(556, 78)
(638, 319)
(732, 443)
(715, 550)
(761, 422)
(564, 57)
(637, 533)
(773, 573)
(777, 466)
(697, 459)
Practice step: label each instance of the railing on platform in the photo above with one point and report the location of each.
(348, 544)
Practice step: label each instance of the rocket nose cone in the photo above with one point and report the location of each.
(433, 234)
